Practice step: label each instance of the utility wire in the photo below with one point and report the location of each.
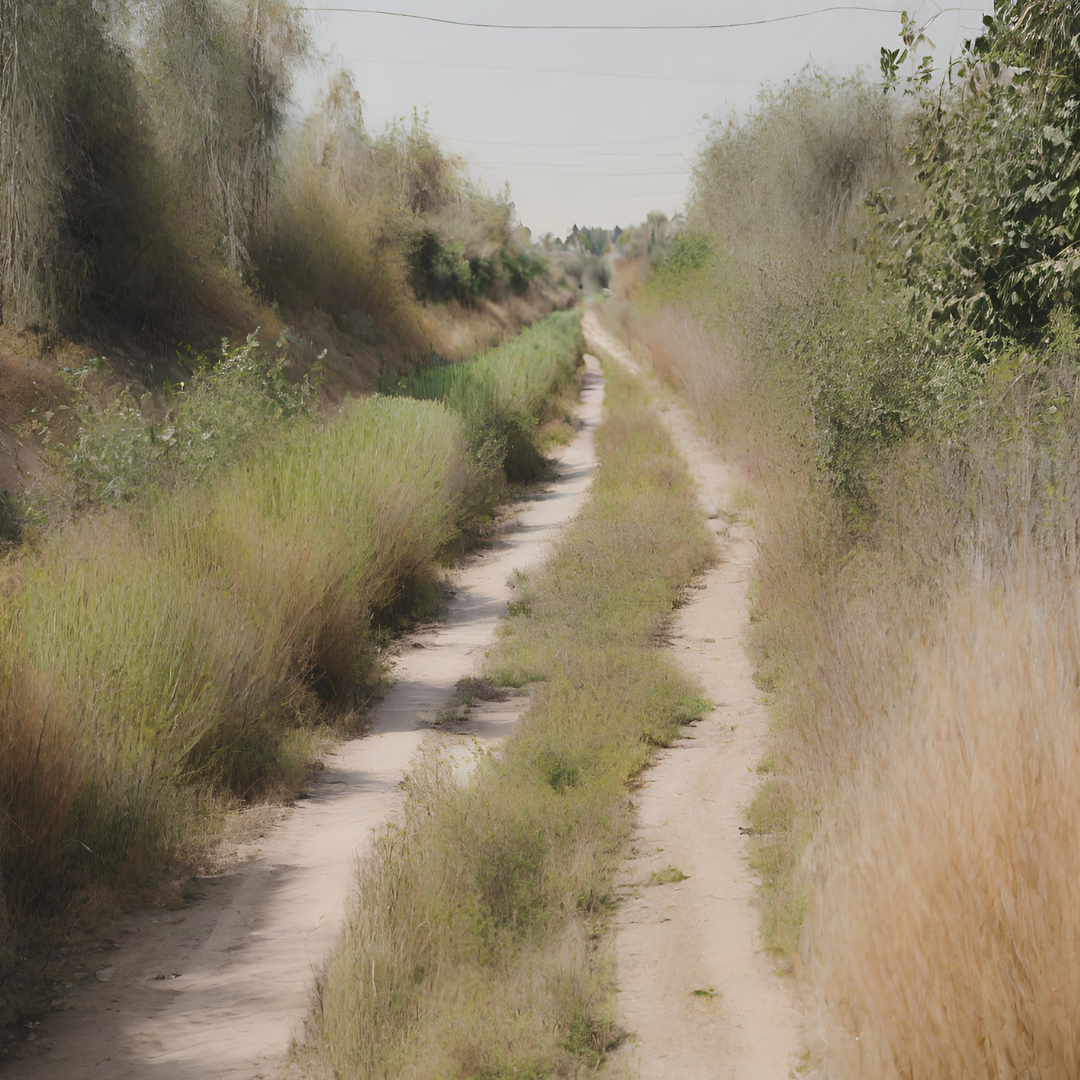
(664, 26)
(573, 164)
(577, 176)
(622, 142)
(549, 71)
(647, 195)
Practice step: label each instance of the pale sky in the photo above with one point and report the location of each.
(493, 98)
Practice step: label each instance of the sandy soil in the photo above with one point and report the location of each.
(219, 990)
(700, 998)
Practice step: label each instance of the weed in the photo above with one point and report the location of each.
(472, 689)
(668, 876)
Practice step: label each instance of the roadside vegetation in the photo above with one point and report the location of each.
(182, 645)
(158, 190)
(874, 306)
(473, 947)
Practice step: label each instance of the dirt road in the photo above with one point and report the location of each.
(218, 991)
(701, 1000)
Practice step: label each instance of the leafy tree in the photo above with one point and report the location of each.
(219, 76)
(991, 242)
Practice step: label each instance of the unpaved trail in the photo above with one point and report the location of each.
(219, 990)
(701, 1000)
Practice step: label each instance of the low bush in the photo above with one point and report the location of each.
(183, 433)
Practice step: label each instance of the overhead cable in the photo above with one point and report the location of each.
(618, 142)
(644, 26)
(552, 71)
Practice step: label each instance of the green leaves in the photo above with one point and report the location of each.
(985, 247)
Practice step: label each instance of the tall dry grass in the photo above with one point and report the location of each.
(943, 939)
(915, 625)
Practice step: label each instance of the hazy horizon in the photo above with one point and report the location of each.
(513, 103)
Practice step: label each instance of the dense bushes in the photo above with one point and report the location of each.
(179, 650)
(154, 183)
(886, 330)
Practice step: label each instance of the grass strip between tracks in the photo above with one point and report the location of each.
(473, 949)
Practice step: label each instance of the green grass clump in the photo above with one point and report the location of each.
(162, 658)
(670, 875)
(469, 952)
(505, 394)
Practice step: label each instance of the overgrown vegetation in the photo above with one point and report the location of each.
(155, 187)
(880, 318)
(471, 949)
(504, 395)
(188, 644)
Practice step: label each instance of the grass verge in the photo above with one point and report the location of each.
(163, 659)
(472, 949)
(505, 395)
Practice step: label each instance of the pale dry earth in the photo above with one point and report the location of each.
(218, 991)
(701, 1000)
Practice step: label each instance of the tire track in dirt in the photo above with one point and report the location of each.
(702, 1001)
(217, 992)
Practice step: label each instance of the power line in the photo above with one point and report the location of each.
(622, 142)
(571, 164)
(648, 195)
(550, 71)
(648, 27)
(577, 176)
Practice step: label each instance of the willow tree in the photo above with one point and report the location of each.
(81, 207)
(31, 159)
(219, 74)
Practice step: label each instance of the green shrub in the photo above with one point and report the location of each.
(197, 427)
(503, 395)
(522, 268)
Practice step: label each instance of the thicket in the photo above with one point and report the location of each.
(153, 184)
(504, 396)
(470, 948)
(188, 644)
(881, 318)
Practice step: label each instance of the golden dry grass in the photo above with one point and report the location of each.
(942, 939)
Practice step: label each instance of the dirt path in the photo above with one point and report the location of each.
(701, 1000)
(219, 990)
